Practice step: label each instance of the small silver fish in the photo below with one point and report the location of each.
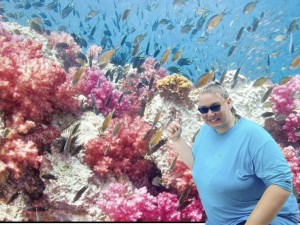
(79, 193)
(267, 94)
(267, 114)
(157, 181)
(280, 117)
(67, 10)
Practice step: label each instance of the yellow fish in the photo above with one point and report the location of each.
(155, 138)
(135, 50)
(204, 79)
(260, 81)
(126, 13)
(138, 39)
(105, 57)
(172, 166)
(78, 75)
(106, 150)
(117, 128)
(279, 38)
(295, 63)
(165, 56)
(157, 117)
(107, 120)
(157, 181)
(214, 21)
(249, 7)
(177, 55)
(186, 28)
(285, 80)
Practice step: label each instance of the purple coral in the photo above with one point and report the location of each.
(105, 97)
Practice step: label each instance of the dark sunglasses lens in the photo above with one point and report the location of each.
(203, 110)
(215, 108)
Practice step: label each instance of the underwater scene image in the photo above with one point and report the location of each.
(88, 88)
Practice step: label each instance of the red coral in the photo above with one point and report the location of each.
(32, 89)
(30, 84)
(19, 155)
(122, 153)
(180, 177)
(43, 136)
(275, 129)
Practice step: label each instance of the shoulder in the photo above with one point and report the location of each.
(252, 127)
(253, 133)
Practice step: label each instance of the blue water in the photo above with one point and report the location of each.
(257, 52)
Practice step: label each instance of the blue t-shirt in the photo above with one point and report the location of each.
(232, 170)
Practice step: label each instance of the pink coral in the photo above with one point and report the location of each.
(282, 96)
(285, 102)
(93, 53)
(291, 125)
(150, 71)
(139, 84)
(291, 156)
(29, 81)
(121, 205)
(19, 155)
(31, 91)
(43, 136)
(66, 46)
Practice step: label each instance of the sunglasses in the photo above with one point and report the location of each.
(213, 108)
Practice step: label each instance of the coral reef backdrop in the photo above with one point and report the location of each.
(82, 139)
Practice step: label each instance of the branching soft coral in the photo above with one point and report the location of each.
(285, 101)
(142, 85)
(30, 93)
(121, 153)
(291, 156)
(123, 205)
(275, 129)
(104, 96)
(19, 155)
(282, 96)
(93, 53)
(29, 81)
(66, 47)
(180, 176)
(291, 125)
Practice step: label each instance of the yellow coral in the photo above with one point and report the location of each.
(174, 86)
